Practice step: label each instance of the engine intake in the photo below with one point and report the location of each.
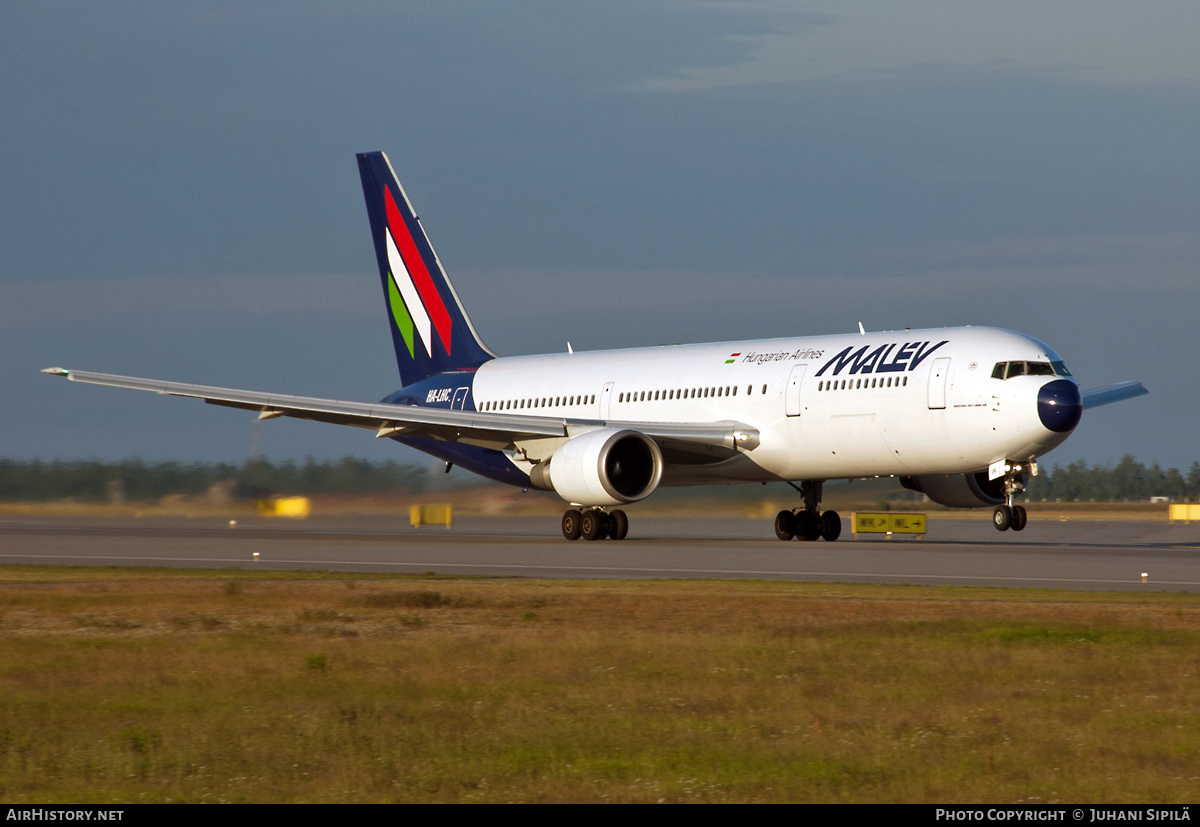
(958, 490)
(603, 467)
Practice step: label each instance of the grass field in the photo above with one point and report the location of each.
(128, 685)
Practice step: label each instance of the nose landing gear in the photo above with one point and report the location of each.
(1010, 515)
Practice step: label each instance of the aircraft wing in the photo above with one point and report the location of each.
(489, 430)
(1113, 393)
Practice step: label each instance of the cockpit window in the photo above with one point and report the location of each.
(1007, 370)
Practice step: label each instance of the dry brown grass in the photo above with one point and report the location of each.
(196, 687)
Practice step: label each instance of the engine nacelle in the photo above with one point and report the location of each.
(604, 467)
(958, 490)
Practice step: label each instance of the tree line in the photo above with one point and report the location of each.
(135, 480)
(138, 481)
(1129, 481)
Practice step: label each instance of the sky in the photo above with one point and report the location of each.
(179, 197)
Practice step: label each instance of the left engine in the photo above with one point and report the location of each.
(605, 467)
(958, 490)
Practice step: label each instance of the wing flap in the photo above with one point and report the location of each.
(438, 423)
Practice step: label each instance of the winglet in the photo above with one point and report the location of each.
(56, 371)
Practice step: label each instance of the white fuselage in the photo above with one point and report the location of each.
(907, 402)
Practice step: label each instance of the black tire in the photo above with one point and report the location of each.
(1019, 518)
(808, 526)
(831, 526)
(785, 525)
(570, 524)
(1002, 518)
(591, 526)
(620, 525)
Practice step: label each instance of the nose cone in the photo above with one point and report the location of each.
(1060, 405)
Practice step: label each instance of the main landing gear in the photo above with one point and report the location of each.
(595, 524)
(1010, 515)
(808, 523)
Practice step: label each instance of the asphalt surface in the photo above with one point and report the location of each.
(1074, 555)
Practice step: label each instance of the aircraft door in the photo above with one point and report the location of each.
(791, 394)
(460, 398)
(937, 383)
(605, 399)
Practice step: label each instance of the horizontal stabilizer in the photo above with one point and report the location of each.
(1113, 393)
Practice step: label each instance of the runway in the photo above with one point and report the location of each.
(1077, 555)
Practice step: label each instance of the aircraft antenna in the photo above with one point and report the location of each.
(569, 348)
(861, 332)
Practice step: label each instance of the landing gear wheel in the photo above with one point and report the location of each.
(570, 524)
(591, 527)
(1002, 518)
(831, 526)
(785, 525)
(808, 526)
(619, 525)
(1019, 518)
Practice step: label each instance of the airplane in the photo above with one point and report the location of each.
(960, 414)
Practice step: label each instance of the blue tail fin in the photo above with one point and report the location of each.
(430, 329)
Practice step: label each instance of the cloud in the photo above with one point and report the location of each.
(41, 303)
(1167, 259)
(1105, 41)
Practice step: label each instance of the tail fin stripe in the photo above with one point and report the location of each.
(408, 291)
(418, 274)
(404, 322)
